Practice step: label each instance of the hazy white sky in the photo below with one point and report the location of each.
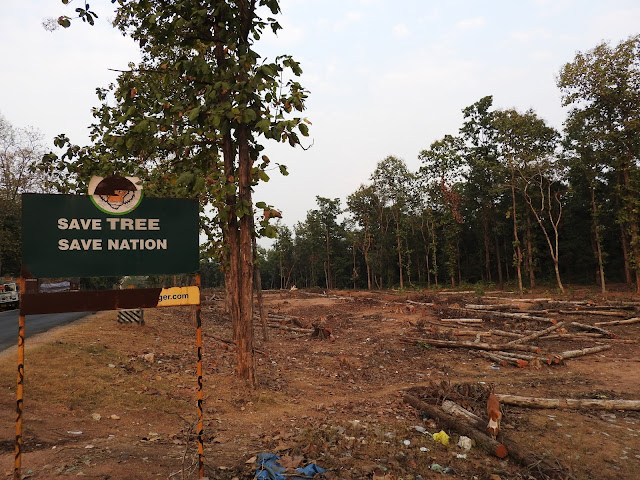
(386, 77)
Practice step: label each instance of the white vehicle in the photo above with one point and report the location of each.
(9, 295)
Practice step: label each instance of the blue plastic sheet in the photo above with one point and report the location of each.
(268, 468)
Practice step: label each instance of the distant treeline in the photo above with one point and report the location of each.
(508, 199)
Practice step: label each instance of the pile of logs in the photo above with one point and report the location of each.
(533, 321)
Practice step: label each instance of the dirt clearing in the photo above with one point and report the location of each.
(111, 401)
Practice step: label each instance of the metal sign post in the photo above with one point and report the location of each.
(200, 399)
(19, 390)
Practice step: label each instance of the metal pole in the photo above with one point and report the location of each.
(200, 400)
(19, 389)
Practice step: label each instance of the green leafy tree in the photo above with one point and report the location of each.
(285, 256)
(602, 87)
(328, 212)
(191, 118)
(362, 206)
(392, 183)
(310, 249)
(20, 150)
(485, 178)
(442, 170)
(585, 157)
(525, 144)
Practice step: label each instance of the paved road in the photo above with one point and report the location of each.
(33, 324)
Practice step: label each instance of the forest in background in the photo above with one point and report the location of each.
(505, 200)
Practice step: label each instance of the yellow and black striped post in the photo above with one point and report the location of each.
(200, 395)
(19, 389)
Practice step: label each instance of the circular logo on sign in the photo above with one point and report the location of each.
(115, 194)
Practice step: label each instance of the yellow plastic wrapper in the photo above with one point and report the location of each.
(441, 437)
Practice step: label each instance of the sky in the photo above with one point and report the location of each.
(385, 77)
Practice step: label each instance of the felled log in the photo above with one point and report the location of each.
(456, 410)
(454, 292)
(533, 300)
(614, 306)
(579, 353)
(502, 333)
(423, 304)
(519, 360)
(593, 312)
(619, 322)
(290, 329)
(479, 345)
(484, 441)
(519, 316)
(571, 403)
(535, 334)
(462, 320)
(475, 333)
(590, 337)
(495, 306)
(576, 336)
(591, 328)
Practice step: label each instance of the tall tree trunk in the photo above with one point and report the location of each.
(516, 240)
(281, 272)
(499, 263)
(458, 262)
(366, 261)
(532, 276)
(427, 250)
(625, 253)
(434, 247)
(596, 231)
(553, 246)
(487, 246)
(328, 268)
(232, 241)
(506, 262)
(399, 247)
(244, 341)
(355, 266)
(633, 227)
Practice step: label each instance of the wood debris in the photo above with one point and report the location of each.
(523, 315)
(572, 403)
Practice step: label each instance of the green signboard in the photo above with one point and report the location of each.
(70, 236)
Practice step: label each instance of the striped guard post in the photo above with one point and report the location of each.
(131, 316)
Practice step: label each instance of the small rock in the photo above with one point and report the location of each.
(149, 357)
(465, 443)
(114, 417)
(96, 416)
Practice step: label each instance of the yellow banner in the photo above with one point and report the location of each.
(173, 296)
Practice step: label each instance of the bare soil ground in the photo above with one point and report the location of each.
(111, 401)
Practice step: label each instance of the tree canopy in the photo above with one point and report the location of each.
(190, 120)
